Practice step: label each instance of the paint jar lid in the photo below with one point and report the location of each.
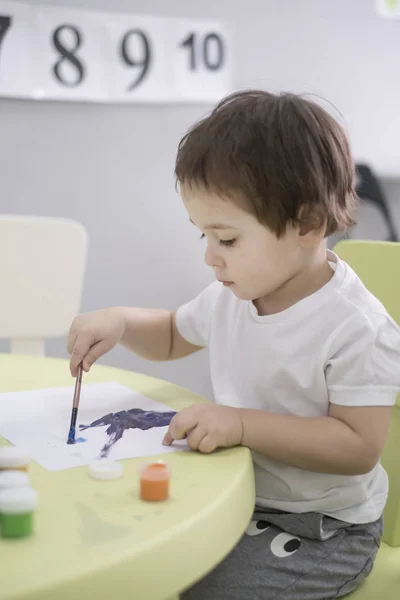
(13, 479)
(105, 469)
(13, 457)
(155, 471)
(18, 500)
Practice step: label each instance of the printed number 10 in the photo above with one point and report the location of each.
(211, 60)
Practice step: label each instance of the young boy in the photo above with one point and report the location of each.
(305, 362)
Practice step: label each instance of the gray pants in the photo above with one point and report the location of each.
(284, 556)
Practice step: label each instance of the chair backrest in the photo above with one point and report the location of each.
(378, 266)
(42, 266)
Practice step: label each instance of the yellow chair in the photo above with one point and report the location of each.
(378, 266)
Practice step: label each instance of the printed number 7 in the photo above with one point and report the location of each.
(5, 24)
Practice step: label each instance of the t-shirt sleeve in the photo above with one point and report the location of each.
(364, 367)
(193, 320)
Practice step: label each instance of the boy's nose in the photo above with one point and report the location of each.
(212, 259)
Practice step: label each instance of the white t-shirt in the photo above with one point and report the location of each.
(338, 346)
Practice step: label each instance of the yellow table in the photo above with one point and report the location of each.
(96, 540)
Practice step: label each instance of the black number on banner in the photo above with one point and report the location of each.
(144, 62)
(5, 24)
(68, 54)
(213, 51)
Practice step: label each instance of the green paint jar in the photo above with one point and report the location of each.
(13, 479)
(17, 507)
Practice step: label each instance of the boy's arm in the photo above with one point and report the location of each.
(153, 334)
(349, 441)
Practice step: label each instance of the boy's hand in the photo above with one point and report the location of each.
(92, 335)
(206, 427)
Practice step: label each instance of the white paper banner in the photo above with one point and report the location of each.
(56, 53)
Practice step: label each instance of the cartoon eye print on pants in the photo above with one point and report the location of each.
(283, 544)
(257, 527)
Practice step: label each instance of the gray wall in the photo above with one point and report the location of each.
(111, 167)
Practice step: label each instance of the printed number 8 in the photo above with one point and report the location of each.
(68, 55)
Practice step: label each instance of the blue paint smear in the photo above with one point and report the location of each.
(71, 436)
(73, 440)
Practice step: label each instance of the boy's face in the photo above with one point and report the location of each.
(245, 255)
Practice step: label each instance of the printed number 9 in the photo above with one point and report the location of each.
(144, 60)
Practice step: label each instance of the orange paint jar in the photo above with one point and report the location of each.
(154, 481)
(13, 458)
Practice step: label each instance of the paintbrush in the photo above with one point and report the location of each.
(75, 405)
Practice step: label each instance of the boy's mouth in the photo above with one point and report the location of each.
(225, 283)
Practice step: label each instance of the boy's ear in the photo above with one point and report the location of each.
(312, 237)
(311, 226)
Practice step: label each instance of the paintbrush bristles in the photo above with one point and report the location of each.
(72, 427)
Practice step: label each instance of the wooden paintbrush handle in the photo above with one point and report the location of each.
(78, 384)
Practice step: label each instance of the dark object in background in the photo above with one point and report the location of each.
(368, 188)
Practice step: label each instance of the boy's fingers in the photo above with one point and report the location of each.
(71, 341)
(168, 439)
(196, 437)
(79, 350)
(207, 444)
(95, 352)
(74, 364)
(179, 427)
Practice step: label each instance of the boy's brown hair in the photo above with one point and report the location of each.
(281, 157)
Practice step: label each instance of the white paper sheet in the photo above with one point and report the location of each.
(39, 422)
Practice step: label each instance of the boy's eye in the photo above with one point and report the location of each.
(222, 242)
(227, 242)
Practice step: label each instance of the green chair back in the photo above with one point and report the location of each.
(378, 266)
